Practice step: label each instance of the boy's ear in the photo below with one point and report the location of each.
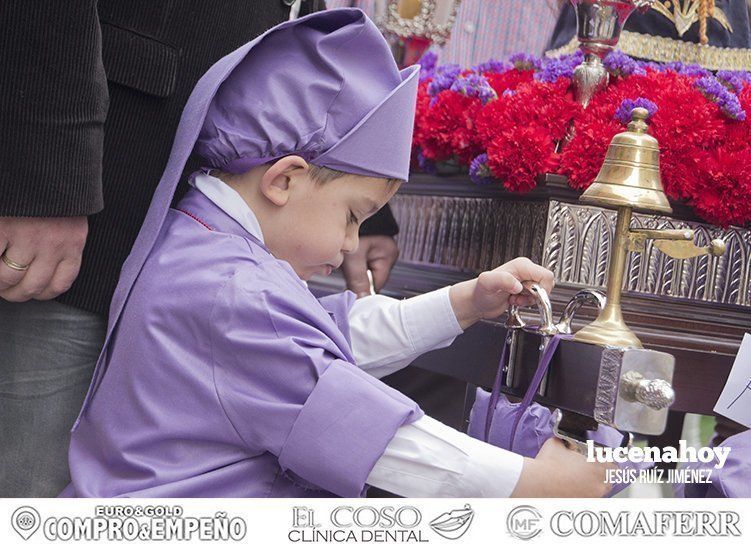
(275, 183)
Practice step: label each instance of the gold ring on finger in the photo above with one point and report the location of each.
(13, 264)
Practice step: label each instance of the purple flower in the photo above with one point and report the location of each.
(443, 78)
(689, 70)
(428, 61)
(524, 61)
(426, 165)
(693, 70)
(474, 85)
(620, 64)
(427, 65)
(716, 92)
(563, 66)
(493, 65)
(674, 66)
(650, 65)
(623, 113)
(479, 171)
(577, 57)
(508, 92)
(735, 81)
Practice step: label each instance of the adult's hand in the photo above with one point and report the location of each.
(51, 247)
(376, 253)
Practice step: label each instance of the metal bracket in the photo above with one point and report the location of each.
(575, 443)
(676, 243)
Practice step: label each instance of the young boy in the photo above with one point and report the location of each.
(222, 375)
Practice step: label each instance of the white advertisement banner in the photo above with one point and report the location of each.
(285, 521)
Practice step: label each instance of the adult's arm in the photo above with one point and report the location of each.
(53, 103)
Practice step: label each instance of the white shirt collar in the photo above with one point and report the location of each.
(229, 200)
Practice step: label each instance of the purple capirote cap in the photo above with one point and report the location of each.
(327, 89)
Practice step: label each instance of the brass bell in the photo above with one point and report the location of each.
(630, 179)
(630, 175)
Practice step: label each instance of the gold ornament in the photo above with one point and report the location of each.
(686, 13)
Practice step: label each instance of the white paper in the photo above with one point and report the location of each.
(735, 400)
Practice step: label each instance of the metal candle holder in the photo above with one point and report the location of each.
(599, 24)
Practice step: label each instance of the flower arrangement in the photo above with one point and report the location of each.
(509, 122)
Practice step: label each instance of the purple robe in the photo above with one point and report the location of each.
(227, 377)
(731, 481)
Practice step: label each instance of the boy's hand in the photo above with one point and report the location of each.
(560, 472)
(491, 293)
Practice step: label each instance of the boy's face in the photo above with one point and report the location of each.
(319, 223)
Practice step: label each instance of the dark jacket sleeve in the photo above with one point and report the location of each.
(382, 222)
(53, 103)
(310, 6)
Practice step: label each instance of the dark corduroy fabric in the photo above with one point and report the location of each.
(153, 53)
(53, 102)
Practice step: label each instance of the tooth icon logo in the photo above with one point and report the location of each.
(25, 521)
(452, 525)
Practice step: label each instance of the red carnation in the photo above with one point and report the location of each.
(508, 80)
(582, 158)
(448, 128)
(547, 105)
(684, 118)
(721, 194)
(678, 170)
(739, 132)
(519, 155)
(421, 111)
